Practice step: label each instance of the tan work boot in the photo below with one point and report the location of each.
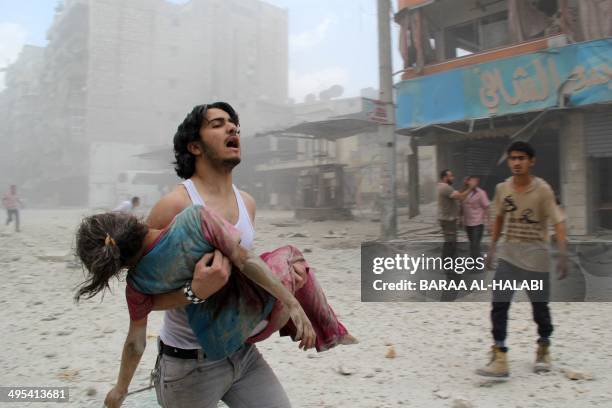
(543, 361)
(498, 366)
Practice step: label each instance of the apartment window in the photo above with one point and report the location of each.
(477, 35)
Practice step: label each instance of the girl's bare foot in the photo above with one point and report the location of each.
(348, 340)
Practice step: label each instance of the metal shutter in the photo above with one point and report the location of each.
(598, 133)
(481, 157)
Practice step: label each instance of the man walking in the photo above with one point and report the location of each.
(11, 202)
(526, 205)
(206, 148)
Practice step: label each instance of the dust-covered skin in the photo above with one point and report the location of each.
(256, 269)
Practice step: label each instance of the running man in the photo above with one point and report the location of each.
(11, 202)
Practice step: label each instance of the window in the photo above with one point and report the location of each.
(477, 35)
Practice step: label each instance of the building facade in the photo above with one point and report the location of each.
(128, 71)
(478, 77)
(330, 157)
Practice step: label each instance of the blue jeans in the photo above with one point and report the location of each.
(242, 380)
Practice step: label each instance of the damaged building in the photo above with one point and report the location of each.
(116, 79)
(481, 74)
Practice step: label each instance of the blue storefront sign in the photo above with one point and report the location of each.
(578, 74)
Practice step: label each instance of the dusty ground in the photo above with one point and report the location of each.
(50, 341)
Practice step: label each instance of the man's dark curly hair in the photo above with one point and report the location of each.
(189, 132)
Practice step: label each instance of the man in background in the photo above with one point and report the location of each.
(448, 210)
(11, 202)
(475, 213)
(128, 206)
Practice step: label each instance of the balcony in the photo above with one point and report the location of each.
(442, 35)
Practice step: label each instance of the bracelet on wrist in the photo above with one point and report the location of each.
(190, 295)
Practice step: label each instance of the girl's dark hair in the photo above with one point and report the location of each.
(189, 132)
(106, 243)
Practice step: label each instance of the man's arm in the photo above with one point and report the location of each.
(496, 228)
(207, 279)
(461, 196)
(161, 216)
(561, 234)
(498, 225)
(166, 209)
(557, 218)
(484, 202)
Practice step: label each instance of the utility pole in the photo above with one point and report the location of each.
(413, 181)
(386, 130)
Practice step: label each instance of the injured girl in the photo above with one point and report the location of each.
(259, 298)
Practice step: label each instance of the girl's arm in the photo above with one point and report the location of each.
(255, 269)
(226, 238)
(133, 350)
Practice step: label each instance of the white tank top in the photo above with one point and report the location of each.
(175, 330)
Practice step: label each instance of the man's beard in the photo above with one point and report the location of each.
(449, 182)
(230, 163)
(214, 158)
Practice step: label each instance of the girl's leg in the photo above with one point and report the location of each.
(330, 331)
(280, 283)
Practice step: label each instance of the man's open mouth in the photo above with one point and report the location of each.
(233, 142)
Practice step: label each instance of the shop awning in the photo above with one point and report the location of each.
(337, 127)
(331, 129)
(162, 153)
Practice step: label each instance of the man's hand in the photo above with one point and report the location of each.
(211, 273)
(490, 258)
(562, 267)
(115, 398)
